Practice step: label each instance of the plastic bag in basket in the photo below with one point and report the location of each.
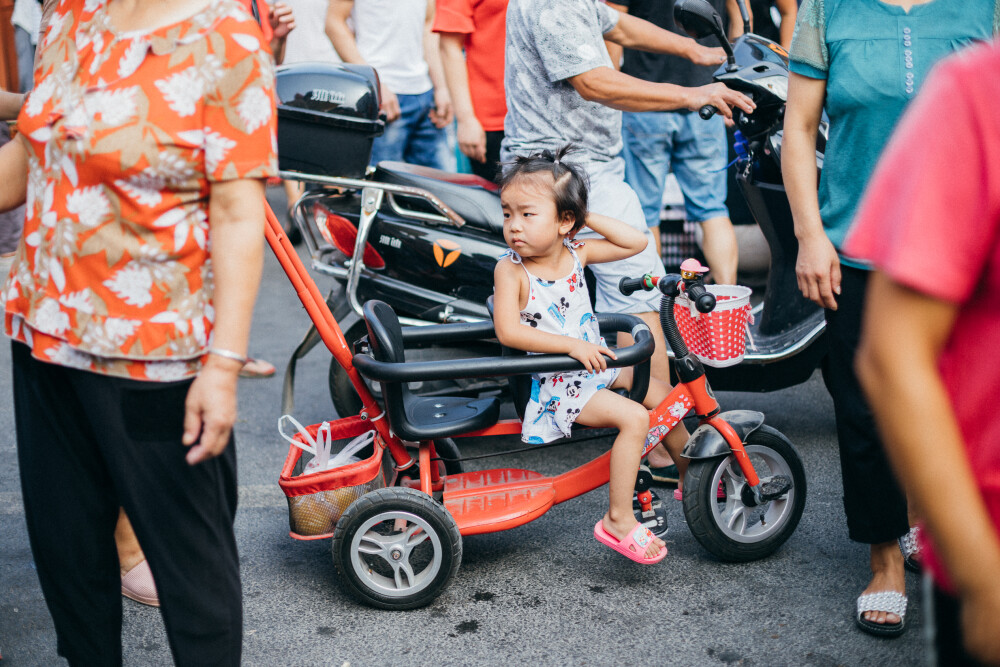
(321, 489)
(718, 338)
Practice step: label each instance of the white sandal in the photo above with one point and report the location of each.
(890, 602)
(910, 548)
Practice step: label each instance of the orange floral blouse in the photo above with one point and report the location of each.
(125, 134)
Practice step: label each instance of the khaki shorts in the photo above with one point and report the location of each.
(611, 196)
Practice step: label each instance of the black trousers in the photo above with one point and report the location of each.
(88, 444)
(873, 500)
(490, 170)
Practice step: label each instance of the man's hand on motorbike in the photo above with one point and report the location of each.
(817, 270)
(472, 139)
(590, 355)
(722, 98)
(390, 104)
(706, 55)
(442, 114)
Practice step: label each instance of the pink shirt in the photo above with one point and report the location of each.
(930, 220)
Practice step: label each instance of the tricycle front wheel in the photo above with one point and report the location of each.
(715, 492)
(396, 548)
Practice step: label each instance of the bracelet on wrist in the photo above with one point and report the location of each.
(226, 354)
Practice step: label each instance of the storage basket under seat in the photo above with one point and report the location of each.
(317, 500)
(718, 338)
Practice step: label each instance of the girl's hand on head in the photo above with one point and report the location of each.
(590, 355)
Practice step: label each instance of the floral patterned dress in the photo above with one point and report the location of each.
(560, 307)
(125, 133)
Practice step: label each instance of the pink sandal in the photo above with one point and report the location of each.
(632, 546)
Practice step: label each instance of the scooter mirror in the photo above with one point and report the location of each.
(698, 19)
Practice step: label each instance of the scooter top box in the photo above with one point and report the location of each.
(328, 117)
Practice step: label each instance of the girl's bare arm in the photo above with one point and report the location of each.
(620, 240)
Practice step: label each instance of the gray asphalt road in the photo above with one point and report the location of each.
(546, 593)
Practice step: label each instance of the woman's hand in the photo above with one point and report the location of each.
(817, 270)
(210, 409)
(590, 355)
(443, 113)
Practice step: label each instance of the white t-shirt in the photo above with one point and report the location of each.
(308, 42)
(390, 37)
(27, 15)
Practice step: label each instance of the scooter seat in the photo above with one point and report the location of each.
(474, 199)
(416, 417)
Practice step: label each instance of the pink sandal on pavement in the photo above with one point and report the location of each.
(138, 585)
(632, 546)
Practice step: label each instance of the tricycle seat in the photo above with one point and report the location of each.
(413, 417)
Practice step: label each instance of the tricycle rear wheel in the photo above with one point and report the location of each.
(396, 548)
(714, 499)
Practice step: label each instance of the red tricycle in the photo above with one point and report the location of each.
(397, 522)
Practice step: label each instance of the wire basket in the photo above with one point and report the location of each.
(317, 500)
(718, 338)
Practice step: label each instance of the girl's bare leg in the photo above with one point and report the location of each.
(608, 409)
(673, 443)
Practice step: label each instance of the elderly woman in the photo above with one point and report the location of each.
(141, 156)
(863, 61)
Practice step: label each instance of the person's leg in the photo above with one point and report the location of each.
(699, 161)
(668, 451)
(392, 144)
(607, 409)
(182, 515)
(70, 509)
(646, 147)
(873, 500)
(426, 144)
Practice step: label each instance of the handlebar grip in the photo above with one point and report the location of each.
(707, 111)
(629, 285)
(703, 300)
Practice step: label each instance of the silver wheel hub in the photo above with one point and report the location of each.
(746, 524)
(396, 553)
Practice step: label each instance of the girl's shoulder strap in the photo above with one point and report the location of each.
(513, 256)
(572, 246)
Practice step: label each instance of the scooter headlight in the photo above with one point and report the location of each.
(777, 84)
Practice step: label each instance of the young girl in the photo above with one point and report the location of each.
(542, 305)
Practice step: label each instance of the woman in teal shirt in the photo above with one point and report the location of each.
(863, 61)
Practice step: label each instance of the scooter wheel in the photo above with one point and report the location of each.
(715, 492)
(396, 548)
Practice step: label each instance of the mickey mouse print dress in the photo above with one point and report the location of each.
(560, 307)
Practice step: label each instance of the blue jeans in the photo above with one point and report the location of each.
(412, 137)
(656, 142)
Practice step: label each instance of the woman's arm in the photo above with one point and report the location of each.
(789, 11)
(508, 283)
(442, 115)
(817, 267)
(236, 231)
(10, 105)
(13, 175)
(471, 137)
(897, 365)
(620, 241)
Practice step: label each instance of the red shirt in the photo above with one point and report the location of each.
(931, 221)
(483, 22)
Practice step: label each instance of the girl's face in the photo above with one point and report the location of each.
(531, 224)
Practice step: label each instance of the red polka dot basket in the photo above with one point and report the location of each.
(718, 338)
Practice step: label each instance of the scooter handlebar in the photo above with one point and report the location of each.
(703, 300)
(707, 111)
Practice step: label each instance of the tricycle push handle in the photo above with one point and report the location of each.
(629, 285)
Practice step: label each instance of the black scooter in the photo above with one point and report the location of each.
(426, 241)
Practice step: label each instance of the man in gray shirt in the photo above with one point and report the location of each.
(562, 89)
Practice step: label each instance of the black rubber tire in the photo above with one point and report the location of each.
(703, 510)
(445, 447)
(393, 500)
(345, 399)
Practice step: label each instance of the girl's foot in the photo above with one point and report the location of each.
(887, 576)
(621, 529)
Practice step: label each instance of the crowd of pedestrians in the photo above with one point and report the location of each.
(132, 258)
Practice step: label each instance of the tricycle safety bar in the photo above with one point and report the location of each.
(418, 371)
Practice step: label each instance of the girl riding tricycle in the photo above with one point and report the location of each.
(397, 524)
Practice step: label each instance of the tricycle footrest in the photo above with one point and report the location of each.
(487, 501)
